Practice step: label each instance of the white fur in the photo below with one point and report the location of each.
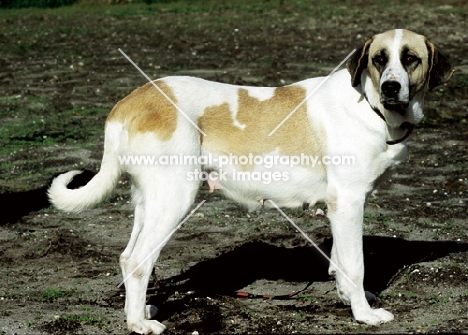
(162, 194)
(395, 70)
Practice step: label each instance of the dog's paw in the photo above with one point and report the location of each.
(374, 316)
(150, 311)
(147, 327)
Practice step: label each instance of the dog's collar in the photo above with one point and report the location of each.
(409, 128)
(405, 125)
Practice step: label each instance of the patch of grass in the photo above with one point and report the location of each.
(35, 3)
(448, 226)
(69, 126)
(306, 298)
(90, 8)
(322, 9)
(412, 295)
(376, 218)
(87, 308)
(434, 299)
(52, 293)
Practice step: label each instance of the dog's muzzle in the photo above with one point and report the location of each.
(390, 96)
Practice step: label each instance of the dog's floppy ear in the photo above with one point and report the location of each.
(440, 69)
(358, 62)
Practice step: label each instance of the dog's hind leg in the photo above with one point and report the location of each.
(137, 225)
(160, 211)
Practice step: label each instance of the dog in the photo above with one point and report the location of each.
(366, 111)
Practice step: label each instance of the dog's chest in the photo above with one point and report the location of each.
(388, 163)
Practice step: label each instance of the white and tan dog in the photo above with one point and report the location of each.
(366, 112)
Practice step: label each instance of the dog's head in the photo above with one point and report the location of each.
(400, 63)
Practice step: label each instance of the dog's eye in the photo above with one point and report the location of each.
(380, 60)
(409, 59)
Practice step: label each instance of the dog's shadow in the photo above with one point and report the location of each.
(15, 205)
(234, 270)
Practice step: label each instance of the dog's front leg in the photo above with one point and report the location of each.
(345, 212)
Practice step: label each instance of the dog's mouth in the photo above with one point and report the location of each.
(393, 101)
(394, 105)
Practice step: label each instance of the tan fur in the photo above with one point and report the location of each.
(147, 110)
(294, 137)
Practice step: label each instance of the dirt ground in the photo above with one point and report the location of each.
(61, 72)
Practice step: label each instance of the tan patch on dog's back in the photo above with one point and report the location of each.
(147, 110)
(294, 137)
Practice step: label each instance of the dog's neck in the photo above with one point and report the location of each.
(406, 126)
(400, 120)
(394, 116)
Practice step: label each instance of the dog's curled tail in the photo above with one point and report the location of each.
(96, 190)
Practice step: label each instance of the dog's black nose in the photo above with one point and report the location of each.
(391, 88)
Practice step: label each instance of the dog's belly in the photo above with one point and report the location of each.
(286, 186)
